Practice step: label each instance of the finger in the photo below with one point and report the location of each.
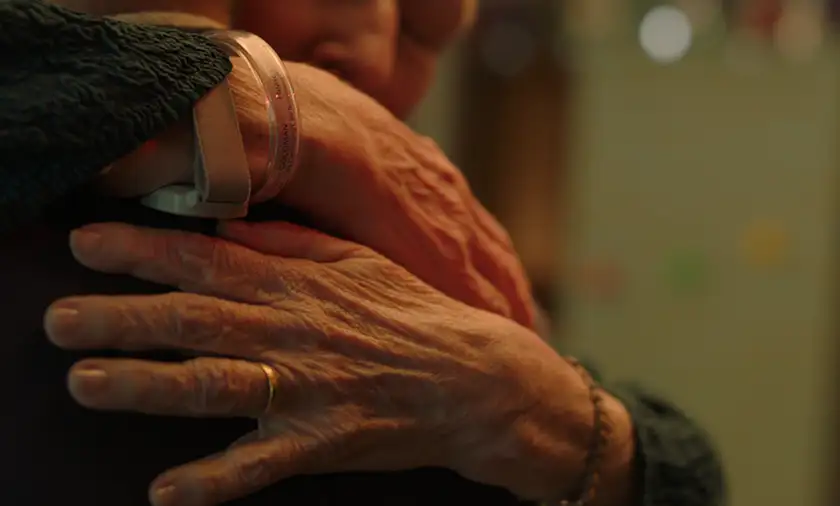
(200, 387)
(433, 23)
(191, 262)
(496, 260)
(176, 320)
(291, 241)
(239, 471)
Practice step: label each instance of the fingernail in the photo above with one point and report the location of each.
(61, 322)
(88, 382)
(85, 240)
(165, 495)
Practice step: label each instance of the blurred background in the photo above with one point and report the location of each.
(668, 171)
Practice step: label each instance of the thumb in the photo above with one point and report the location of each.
(288, 240)
(241, 470)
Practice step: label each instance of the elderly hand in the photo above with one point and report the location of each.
(367, 177)
(349, 363)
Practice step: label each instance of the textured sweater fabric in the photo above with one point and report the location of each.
(676, 464)
(77, 93)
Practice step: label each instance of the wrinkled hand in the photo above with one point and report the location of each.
(375, 370)
(367, 177)
(363, 174)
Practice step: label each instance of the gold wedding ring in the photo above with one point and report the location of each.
(272, 377)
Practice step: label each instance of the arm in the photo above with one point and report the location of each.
(137, 81)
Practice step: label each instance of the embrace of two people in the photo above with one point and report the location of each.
(371, 316)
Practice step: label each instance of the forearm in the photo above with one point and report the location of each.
(111, 87)
(555, 444)
(655, 456)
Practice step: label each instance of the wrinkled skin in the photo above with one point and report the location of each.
(375, 369)
(378, 369)
(367, 177)
(363, 174)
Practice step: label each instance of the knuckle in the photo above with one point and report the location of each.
(212, 265)
(163, 246)
(209, 256)
(193, 323)
(209, 379)
(128, 324)
(258, 469)
(193, 254)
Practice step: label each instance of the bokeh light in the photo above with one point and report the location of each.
(665, 34)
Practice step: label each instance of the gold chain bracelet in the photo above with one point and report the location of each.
(600, 435)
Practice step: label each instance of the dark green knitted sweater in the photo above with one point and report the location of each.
(77, 93)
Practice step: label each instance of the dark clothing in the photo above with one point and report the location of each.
(77, 93)
(675, 462)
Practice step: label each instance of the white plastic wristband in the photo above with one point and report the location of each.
(284, 118)
(221, 186)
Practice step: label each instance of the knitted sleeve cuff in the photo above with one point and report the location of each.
(675, 460)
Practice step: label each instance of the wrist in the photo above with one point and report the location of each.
(344, 141)
(267, 112)
(266, 118)
(608, 480)
(607, 476)
(542, 452)
(618, 476)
